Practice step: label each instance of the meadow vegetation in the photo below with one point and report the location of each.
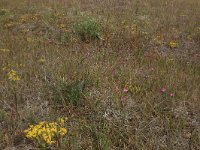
(125, 73)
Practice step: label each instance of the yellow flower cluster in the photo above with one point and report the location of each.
(173, 44)
(47, 132)
(13, 75)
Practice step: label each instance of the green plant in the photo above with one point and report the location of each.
(104, 142)
(197, 35)
(4, 12)
(87, 30)
(64, 37)
(69, 93)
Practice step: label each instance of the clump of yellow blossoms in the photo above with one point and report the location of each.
(13, 75)
(47, 133)
(173, 44)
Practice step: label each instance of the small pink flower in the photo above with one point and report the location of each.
(172, 94)
(125, 90)
(163, 90)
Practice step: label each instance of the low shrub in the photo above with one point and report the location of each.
(87, 30)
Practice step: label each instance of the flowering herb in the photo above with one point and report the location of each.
(13, 75)
(47, 133)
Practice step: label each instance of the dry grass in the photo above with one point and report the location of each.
(126, 89)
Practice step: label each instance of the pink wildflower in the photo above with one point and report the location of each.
(125, 90)
(163, 90)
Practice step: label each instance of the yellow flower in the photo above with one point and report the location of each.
(63, 131)
(46, 132)
(62, 26)
(173, 44)
(13, 76)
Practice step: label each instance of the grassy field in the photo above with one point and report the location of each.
(100, 75)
